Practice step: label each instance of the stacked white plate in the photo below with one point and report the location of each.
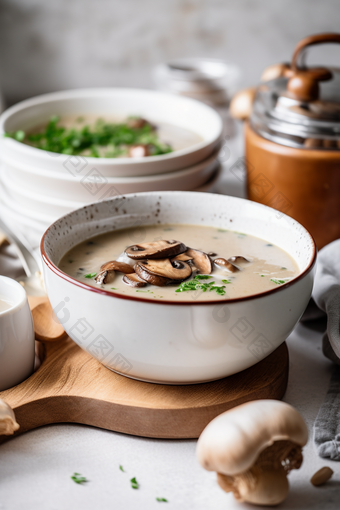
(37, 186)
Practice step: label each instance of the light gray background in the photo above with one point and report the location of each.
(48, 45)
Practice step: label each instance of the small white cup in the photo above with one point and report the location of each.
(16, 334)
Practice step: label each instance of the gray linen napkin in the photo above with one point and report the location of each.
(326, 295)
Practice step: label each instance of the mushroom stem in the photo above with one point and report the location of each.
(265, 483)
(8, 424)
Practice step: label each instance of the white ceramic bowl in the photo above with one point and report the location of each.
(167, 342)
(16, 335)
(155, 106)
(36, 182)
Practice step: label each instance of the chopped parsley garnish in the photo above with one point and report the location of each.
(283, 268)
(196, 284)
(221, 230)
(122, 469)
(279, 282)
(90, 275)
(77, 478)
(115, 139)
(113, 288)
(226, 281)
(134, 483)
(162, 500)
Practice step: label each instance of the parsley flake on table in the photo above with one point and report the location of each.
(162, 500)
(134, 483)
(122, 469)
(77, 478)
(90, 275)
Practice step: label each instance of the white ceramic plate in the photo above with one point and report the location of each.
(155, 106)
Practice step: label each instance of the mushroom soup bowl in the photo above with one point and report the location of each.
(185, 342)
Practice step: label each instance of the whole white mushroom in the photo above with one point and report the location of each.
(8, 424)
(252, 448)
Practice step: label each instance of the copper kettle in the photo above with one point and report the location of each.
(292, 141)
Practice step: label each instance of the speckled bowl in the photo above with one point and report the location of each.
(167, 342)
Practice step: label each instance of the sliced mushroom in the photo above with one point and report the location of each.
(139, 151)
(134, 280)
(183, 256)
(107, 271)
(238, 260)
(104, 277)
(138, 123)
(162, 272)
(114, 265)
(155, 250)
(225, 264)
(201, 260)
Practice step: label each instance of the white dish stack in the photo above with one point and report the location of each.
(37, 186)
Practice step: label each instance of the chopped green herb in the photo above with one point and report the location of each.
(134, 483)
(162, 500)
(240, 234)
(202, 277)
(196, 284)
(17, 135)
(113, 288)
(114, 139)
(279, 282)
(221, 230)
(121, 468)
(262, 275)
(77, 478)
(283, 268)
(90, 275)
(143, 291)
(226, 281)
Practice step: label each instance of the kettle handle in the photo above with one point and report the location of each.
(311, 40)
(303, 84)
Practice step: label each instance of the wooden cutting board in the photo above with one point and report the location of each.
(72, 387)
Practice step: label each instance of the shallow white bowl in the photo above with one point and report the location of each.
(36, 182)
(167, 342)
(155, 106)
(16, 194)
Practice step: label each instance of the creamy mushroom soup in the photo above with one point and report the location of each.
(179, 263)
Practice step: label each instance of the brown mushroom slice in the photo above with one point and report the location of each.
(133, 280)
(155, 250)
(225, 264)
(201, 260)
(138, 123)
(114, 265)
(183, 256)
(107, 271)
(104, 277)
(238, 260)
(162, 271)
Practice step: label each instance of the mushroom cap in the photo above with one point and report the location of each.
(201, 260)
(231, 443)
(155, 249)
(162, 271)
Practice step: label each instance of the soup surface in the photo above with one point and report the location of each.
(260, 267)
(109, 137)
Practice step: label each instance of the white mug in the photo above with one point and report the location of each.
(16, 334)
